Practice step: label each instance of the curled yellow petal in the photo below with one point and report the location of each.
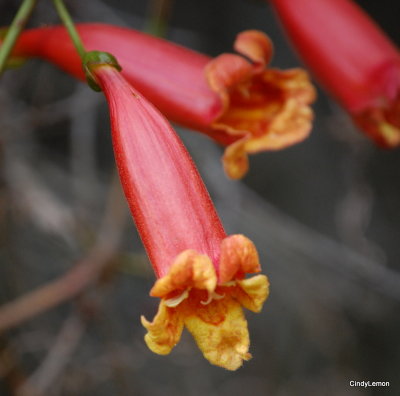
(251, 293)
(291, 125)
(164, 331)
(220, 331)
(235, 159)
(238, 257)
(189, 270)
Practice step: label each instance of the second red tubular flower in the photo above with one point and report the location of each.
(352, 58)
(237, 102)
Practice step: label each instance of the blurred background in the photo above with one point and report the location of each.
(74, 278)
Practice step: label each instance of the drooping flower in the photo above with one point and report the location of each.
(351, 56)
(201, 271)
(237, 102)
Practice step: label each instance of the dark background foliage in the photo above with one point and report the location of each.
(324, 214)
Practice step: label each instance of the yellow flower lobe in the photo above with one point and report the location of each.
(191, 297)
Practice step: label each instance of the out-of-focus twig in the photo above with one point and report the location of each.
(354, 210)
(6, 361)
(65, 344)
(83, 135)
(32, 196)
(80, 101)
(11, 372)
(158, 17)
(317, 248)
(85, 272)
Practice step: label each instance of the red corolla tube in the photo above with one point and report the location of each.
(200, 270)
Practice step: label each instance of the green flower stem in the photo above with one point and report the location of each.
(14, 30)
(91, 59)
(69, 24)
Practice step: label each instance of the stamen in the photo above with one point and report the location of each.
(212, 296)
(229, 284)
(217, 296)
(209, 299)
(175, 301)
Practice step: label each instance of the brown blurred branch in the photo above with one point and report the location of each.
(64, 345)
(84, 273)
(11, 371)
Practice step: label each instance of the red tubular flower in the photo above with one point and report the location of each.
(352, 58)
(236, 102)
(200, 270)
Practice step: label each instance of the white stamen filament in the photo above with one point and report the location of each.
(212, 296)
(175, 301)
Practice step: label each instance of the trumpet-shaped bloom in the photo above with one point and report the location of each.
(201, 271)
(237, 102)
(352, 58)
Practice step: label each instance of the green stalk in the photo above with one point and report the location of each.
(69, 25)
(14, 30)
(89, 59)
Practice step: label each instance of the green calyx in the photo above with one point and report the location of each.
(94, 59)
